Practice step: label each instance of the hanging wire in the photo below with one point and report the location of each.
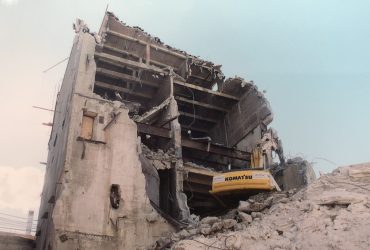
(14, 216)
(46, 70)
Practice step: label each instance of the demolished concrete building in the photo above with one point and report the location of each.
(134, 120)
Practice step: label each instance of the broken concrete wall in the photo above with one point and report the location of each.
(114, 161)
(59, 139)
(252, 139)
(250, 112)
(81, 181)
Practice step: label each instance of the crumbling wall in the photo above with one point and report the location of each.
(59, 137)
(99, 150)
(115, 160)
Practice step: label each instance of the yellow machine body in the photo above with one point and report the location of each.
(243, 181)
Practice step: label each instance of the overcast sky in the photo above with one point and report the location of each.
(311, 56)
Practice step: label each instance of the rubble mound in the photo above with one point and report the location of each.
(331, 213)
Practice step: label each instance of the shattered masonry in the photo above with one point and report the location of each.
(139, 131)
(333, 212)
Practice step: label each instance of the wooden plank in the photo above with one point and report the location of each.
(216, 149)
(153, 130)
(121, 89)
(125, 77)
(198, 117)
(130, 63)
(201, 104)
(216, 93)
(87, 127)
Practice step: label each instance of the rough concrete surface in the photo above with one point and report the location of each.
(331, 213)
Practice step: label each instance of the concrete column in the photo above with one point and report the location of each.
(183, 209)
(147, 54)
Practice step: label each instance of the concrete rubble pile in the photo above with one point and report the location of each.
(169, 155)
(331, 213)
(159, 159)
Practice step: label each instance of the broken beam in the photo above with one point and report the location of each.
(155, 63)
(216, 93)
(165, 50)
(187, 127)
(216, 149)
(147, 116)
(201, 104)
(198, 117)
(125, 77)
(187, 143)
(153, 130)
(122, 61)
(120, 89)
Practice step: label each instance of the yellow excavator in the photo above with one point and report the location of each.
(243, 181)
(257, 178)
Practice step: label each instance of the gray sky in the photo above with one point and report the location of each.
(311, 56)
